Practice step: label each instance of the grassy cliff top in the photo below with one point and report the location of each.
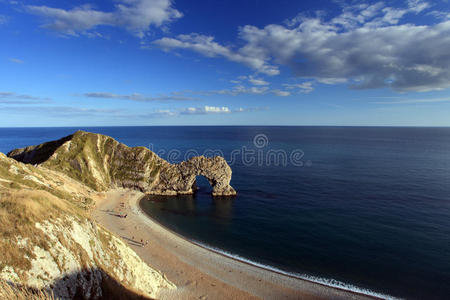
(29, 195)
(96, 160)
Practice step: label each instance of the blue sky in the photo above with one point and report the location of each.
(160, 62)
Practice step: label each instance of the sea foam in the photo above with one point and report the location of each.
(330, 282)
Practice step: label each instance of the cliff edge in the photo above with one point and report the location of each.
(101, 163)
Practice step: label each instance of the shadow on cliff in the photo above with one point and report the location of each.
(86, 284)
(39, 153)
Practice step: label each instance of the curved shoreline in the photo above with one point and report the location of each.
(198, 271)
(343, 287)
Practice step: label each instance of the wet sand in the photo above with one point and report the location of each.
(200, 273)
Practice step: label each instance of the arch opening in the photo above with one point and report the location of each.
(202, 185)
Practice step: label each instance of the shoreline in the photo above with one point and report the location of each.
(312, 279)
(185, 262)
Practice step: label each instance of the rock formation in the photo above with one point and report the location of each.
(101, 163)
(180, 178)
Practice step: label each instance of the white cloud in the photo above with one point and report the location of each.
(439, 14)
(331, 80)
(235, 90)
(404, 57)
(251, 79)
(16, 60)
(215, 110)
(366, 46)
(206, 46)
(205, 110)
(138, 97)
(64, 112)
(281, 93)
(238, 90)
(257, 81)
(14, 98)
(304, 87)
(191, 95)
(375, 15)
(354, 15)
(136, 16)
(417, 5)
(163, 113)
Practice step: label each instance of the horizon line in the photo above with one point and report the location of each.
(125, 126)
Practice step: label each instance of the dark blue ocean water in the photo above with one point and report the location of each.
(366, 206)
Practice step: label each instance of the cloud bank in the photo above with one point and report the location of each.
(77, 112)
(206, 46)
(365, 46)
(136, 16)
(216, 110)
(14, 98)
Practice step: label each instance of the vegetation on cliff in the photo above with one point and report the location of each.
(48, 241)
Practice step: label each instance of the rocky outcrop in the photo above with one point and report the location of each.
(102, 163)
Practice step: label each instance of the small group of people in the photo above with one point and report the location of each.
(142, 242)
(120, 214)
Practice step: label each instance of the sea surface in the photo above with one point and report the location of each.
(367, 208)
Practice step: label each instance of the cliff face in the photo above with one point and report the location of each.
(47, 240)
(101, 163)
(80, 257)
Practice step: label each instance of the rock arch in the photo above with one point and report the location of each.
(180, 178)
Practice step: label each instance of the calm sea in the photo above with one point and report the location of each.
(367, 207)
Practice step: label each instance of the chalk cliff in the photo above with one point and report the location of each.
(48, 241)
(101, 163)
